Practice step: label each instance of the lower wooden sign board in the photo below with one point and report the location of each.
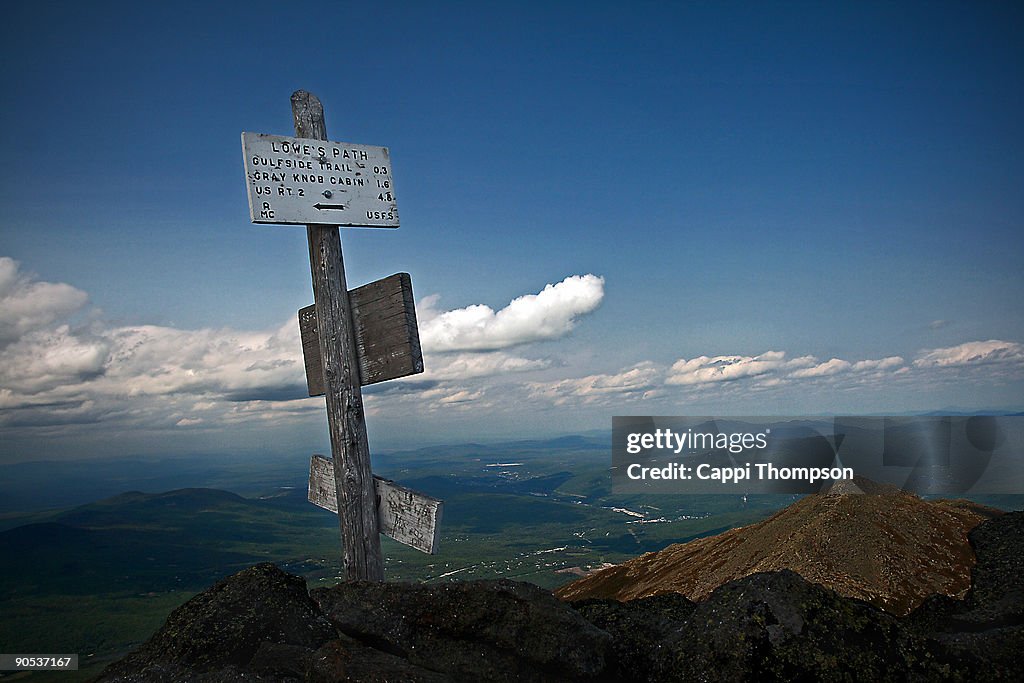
(387, 339)
(403, 514)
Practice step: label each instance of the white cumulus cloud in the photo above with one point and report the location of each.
(705, 369)
(54, 374)
(771, 369)
(878, 365)
(829, 367)
(27, 304)
(637, 381)
(549, 314)
(972, 353)
(469, 365)
(157, 376)
(153, 360)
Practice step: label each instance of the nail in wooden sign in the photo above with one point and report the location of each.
(387, 339)
(405, 515)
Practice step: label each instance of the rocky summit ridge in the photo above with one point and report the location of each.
(861, 539)
(263, 625)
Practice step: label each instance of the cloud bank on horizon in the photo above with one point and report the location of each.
(61, 366)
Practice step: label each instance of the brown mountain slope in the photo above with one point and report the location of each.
(887, 547)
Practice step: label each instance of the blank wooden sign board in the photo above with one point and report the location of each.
(349, 338)
(387, 339)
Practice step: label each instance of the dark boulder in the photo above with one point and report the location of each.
(262, 625)
(777, 626)
(260, 616)
(989, 621)
(345, 659)
(997, 589)
(772, 626)
(640, 630)
(480, 630)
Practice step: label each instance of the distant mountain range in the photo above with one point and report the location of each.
(100, 577)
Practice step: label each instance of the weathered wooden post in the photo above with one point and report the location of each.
(357, 499)
(348, 338)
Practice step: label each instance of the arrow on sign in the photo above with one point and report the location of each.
(329, 206)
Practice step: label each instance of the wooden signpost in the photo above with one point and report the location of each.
(349, 339)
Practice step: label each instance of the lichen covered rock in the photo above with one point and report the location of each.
(480, 630)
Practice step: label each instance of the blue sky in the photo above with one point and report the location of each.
(736, 208)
